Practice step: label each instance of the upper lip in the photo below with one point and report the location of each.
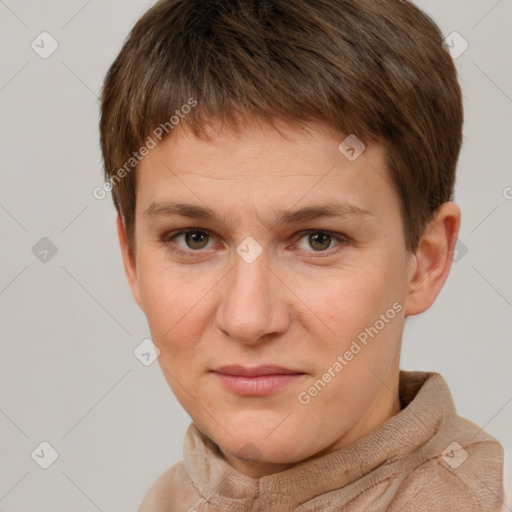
(255, 371)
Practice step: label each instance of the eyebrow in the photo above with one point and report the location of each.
(338, 208)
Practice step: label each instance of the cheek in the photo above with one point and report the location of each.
(348, 308)
(170, 300)
(352, 298)
(176, 311)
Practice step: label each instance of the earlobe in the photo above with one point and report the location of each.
(433, 259)
(129, 264)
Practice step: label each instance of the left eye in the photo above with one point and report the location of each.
(320, 241)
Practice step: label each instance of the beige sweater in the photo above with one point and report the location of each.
(409, 463)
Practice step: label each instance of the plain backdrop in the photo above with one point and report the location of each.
(69, 326)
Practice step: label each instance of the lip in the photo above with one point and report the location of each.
(255, 371)
(256, 381)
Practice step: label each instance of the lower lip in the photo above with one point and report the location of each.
(257, 386)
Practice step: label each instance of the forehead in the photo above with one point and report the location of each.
(265, 168)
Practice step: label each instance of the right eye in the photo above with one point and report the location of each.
(193, 240)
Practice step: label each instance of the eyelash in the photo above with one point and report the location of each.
(167, 240)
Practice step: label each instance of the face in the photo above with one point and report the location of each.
(307, 308)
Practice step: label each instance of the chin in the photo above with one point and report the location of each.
(257, 445)
(271, 435)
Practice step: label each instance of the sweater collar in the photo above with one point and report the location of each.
(426, 401)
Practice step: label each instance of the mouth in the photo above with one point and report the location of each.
(256, 381)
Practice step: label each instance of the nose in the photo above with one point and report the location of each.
(254, 303)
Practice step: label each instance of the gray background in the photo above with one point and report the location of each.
(69, 325)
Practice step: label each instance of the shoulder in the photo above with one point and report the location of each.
(172, 490)
(466, 474)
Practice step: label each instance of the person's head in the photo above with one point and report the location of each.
(238, 120)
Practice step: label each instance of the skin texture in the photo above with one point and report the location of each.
(296, 305)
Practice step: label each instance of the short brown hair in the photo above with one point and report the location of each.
(373, 68)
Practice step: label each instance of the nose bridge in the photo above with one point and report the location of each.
(248, 309)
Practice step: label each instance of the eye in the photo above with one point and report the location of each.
(321, 241)
(193, 240)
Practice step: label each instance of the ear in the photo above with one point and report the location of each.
(130, 267)
(432, 259)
